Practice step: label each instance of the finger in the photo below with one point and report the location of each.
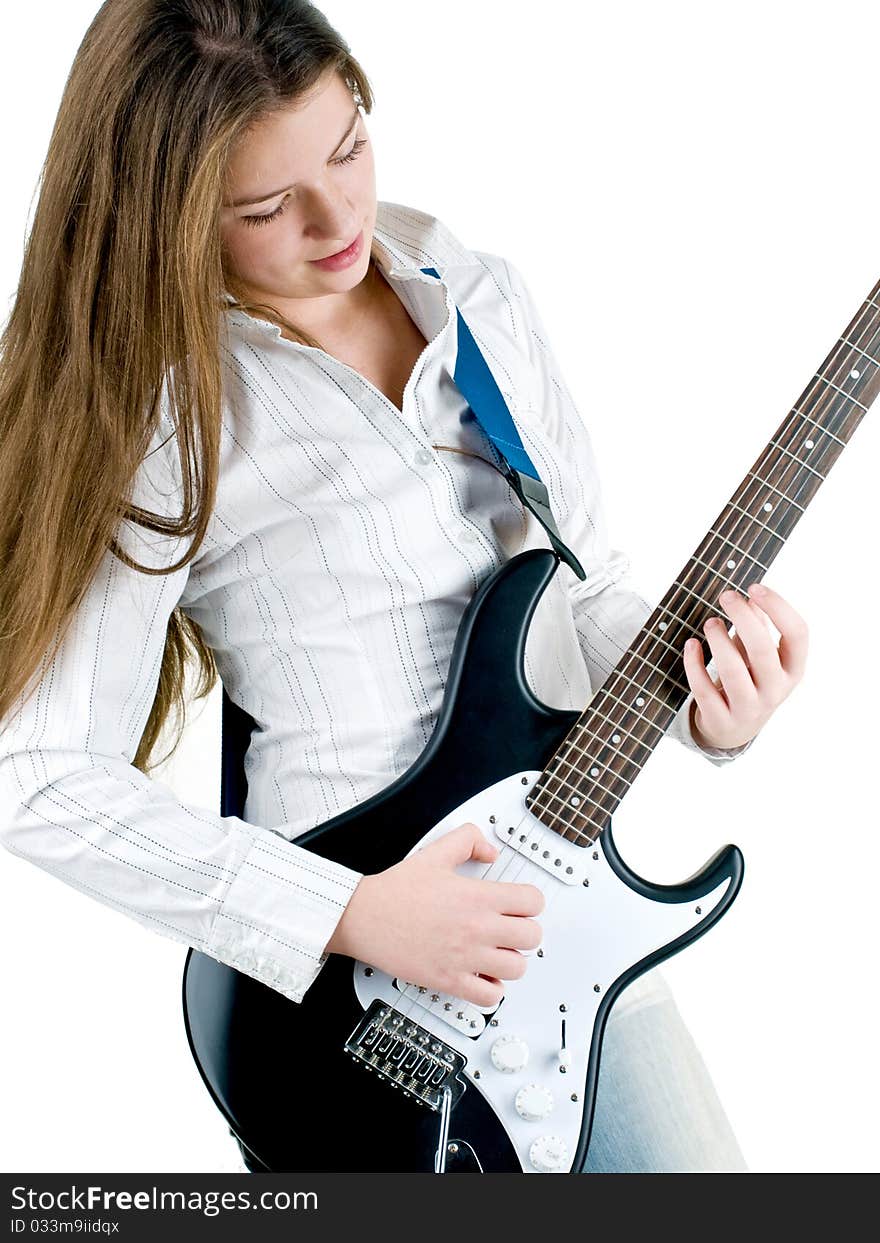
(506, 964)
(516, 933)
(461, 844)
(479, 989)
(513, 899)
(740, 646)
(793, 630)
(708, 695)
(732, 669)
(758, 647)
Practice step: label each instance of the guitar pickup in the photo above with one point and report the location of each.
(548, 850)
(463, 1016)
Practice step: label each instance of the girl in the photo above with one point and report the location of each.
(230, 433)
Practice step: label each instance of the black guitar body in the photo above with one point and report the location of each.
(277, 1069)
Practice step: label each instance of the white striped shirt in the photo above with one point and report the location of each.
(342, 551)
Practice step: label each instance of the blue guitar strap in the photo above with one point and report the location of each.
(476, 383)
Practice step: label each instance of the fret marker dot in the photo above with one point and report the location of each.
(808, 444)
(767, 507)
(594, 772)
(640, 703)
(663, 625)
(615, 737)
(574, 800)
(731, 565)
(855, 374)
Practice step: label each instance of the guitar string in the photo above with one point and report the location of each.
(769, 461)
(793, 431)
(619, 710)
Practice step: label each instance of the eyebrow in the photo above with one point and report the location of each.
(275, 193)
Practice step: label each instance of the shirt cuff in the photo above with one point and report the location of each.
(682, 730)
(279, 911)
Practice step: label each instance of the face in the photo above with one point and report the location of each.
(312, 167)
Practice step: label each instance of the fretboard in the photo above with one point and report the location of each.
(607, 748)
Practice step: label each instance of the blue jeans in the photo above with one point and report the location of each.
(657, 1110)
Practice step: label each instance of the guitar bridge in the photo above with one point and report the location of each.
(407, 1055)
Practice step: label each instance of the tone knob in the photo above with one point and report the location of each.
(548, 1153)
(509, 1053)
(533, 1102)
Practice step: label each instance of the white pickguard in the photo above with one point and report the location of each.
(592, 934)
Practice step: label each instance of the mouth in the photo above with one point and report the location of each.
(342, 258)
(337, 253)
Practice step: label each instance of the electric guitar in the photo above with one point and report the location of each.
(374, 1073)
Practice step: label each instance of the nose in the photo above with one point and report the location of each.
(331, 219)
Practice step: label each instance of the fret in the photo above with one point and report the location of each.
(628, 708)
(847, 368)
(757, 521)
(820, 426)
(577, 793)
(785, 497)
(632, 653)
(685, 625)
(614, 794)
(667, 676)
(562, 828)
(541, 794)
(713, 608)
(594, 763)
(728, 540)
(643, 690)
(567, 824)
(799, 461)
(840, 390)
(718, 574)
(595, 782)
(870, 357)
(618, 729)
(563, 782)
(656, 638)
(742, 554)
(584, 733)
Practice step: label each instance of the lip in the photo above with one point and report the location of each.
(343, 258)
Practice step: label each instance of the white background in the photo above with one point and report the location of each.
(691, 192)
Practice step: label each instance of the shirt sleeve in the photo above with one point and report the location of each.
(74, 805)
(608, 609)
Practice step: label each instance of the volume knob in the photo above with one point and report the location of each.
(509, 1053)
(533, 1102)
(548, 1153)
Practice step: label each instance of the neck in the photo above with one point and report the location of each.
(335, 317)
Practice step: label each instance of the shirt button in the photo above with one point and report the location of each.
(424, 456)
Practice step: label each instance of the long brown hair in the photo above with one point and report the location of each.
(121, 291)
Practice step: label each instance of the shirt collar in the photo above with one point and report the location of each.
(405, 240)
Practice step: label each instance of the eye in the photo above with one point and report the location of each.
(353, 153)
(255, 221)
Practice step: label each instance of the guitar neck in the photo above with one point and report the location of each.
(606, 749)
